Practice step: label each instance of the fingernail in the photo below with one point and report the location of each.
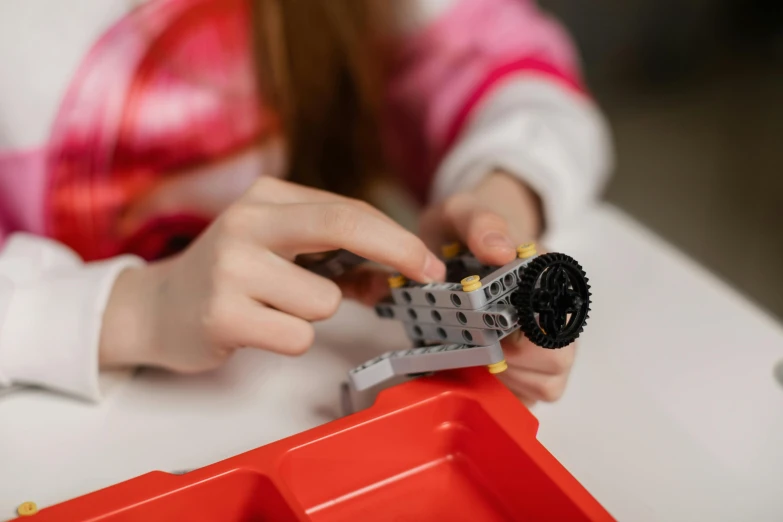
(498, 240)
(434, 269)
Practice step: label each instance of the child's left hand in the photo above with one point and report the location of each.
(492, 220)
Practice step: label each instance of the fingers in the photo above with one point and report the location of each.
(522, 353)
(535, 373)
(237, 321)
(290, 230)
(244, 268)
(280, 192)
(485, 232)
(532, 386)
(289, 288)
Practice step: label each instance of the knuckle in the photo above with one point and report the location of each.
(264, 184)
(486, 219)
(236, 221)
(328, 301)
(217, 321)
(364, 206)
(227, 266)
(341, 219)
(551, 389)
(456, 202)
(301, 339)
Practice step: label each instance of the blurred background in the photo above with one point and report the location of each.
(694, 92)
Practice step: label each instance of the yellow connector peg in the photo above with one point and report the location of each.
(451, 250)
(498, 367)
(527, 250)
(397, 281)
(27, 509)
(471, 283)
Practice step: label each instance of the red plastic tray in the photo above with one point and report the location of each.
(454, 447)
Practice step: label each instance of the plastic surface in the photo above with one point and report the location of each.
(456, 446)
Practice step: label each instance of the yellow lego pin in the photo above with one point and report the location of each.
(527, 250)
(27, 509)
(471, 283)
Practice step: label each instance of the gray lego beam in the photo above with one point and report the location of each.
(422, 360)
(501, 316)
(453, 334)
(450, 295)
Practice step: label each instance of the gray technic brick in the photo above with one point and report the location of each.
(422, 360)
(452, 334)
(442, 295)
(501, 315)
(450, 295)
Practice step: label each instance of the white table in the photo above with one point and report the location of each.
(672, 412)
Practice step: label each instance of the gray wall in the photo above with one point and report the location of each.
(694, 92)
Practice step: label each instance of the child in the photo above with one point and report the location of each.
(144, 218)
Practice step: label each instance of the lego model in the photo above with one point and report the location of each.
(455, 325)
(460, 324)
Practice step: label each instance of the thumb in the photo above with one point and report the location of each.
(486, 233)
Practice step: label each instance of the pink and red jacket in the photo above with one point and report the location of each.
(98, 104)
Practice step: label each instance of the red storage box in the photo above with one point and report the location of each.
(457, 446)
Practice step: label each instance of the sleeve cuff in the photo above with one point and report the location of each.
(51, 325)
(532, 128)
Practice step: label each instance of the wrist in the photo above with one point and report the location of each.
(126, 330)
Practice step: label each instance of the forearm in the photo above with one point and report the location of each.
(515, 103)
(126, 332)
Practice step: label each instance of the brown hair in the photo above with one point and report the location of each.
(317, 65)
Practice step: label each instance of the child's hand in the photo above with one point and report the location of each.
(492, 220)
(237, 285)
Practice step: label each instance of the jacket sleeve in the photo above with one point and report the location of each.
(478, 85)
(51, 310)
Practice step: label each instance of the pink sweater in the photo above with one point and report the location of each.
(168, 87)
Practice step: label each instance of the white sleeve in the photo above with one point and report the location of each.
(51, 310)
(555, 140)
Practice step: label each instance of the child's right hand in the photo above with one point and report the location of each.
(237, 286)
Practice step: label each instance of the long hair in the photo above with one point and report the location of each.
(318, 64)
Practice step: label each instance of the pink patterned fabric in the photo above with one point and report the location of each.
(170, 87)
(22, 187)
(444, 72)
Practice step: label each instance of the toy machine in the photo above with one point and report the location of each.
(457, 325)
(449, 444)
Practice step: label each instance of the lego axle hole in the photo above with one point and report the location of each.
(417, 330)
(442, 333)
(430, 298)
(436, 316)
(412, 314)
(384, 311)
(456, 301)
(407, 297)
(461, 318)
(467, 336)
(503, 322)
(489, 320)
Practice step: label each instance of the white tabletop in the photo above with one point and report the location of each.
(672, 412)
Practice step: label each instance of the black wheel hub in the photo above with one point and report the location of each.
(553, 300)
